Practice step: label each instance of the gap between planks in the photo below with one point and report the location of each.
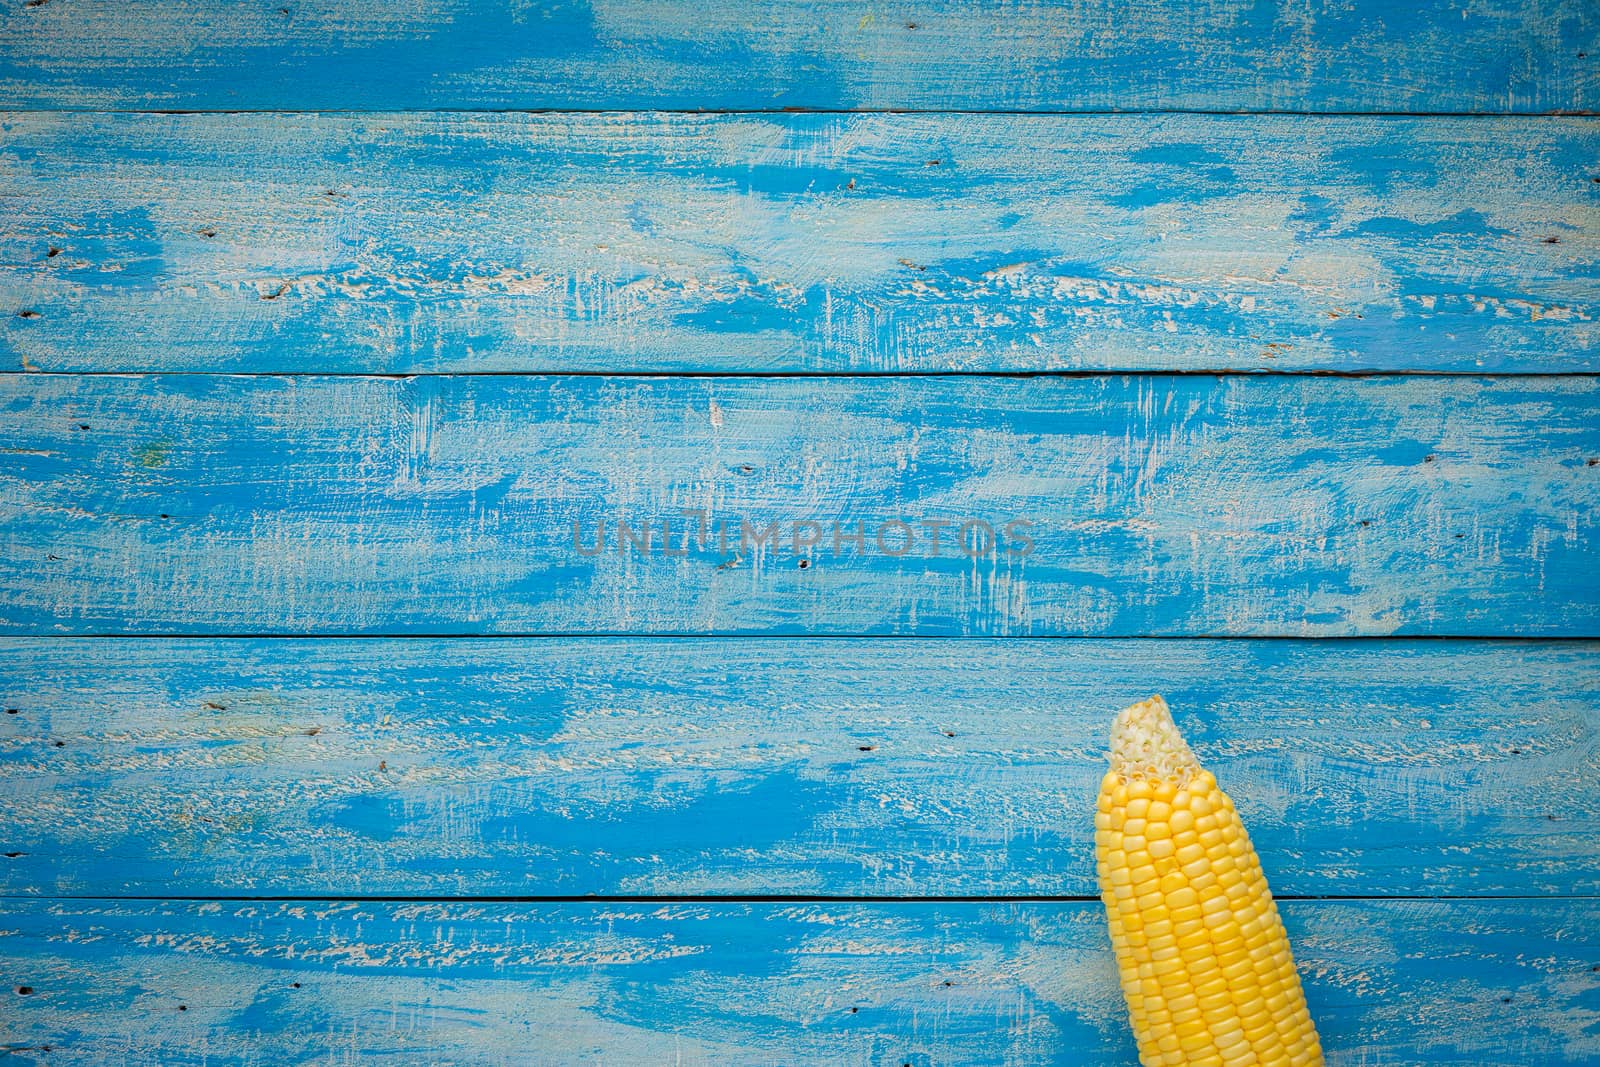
(736, 898)
(1248, 113)
(1145, 372)
(708, 635)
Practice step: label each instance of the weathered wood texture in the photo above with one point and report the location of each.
(381, 240)
(1508, 982)
(1176, 506)
(754, 766)
(1228, 55)
(404, 243)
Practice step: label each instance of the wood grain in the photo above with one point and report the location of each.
(1229, 55)
(782, 766)
(816, 243)
(1510, 982)
(1175, 506)
(276, 848)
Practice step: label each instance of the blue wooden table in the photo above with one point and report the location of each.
(612, 532)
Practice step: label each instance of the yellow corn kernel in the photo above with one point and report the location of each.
(1205, 964)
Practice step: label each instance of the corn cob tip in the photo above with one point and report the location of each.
(1145, 743)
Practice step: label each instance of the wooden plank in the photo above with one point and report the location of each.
(756, 766)
(148, 982)
(1174, 506)
(816, 243)
(1363, 55)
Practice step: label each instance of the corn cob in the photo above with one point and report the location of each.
(1205, 963)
